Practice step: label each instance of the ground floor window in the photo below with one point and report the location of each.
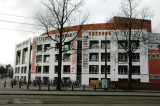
(136, 70)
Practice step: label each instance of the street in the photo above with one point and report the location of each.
(67, 100)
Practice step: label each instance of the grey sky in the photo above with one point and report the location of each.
(99, 11)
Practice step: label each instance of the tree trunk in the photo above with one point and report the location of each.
(130, 72)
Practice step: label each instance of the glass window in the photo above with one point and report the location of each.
(122, 70)
(38, 69)
(66, 69)
(56, 57)
(46, 47)
(107, 44)
(136, 57)
(39, 48)
(24, 58)
(157, 55)
(93, 69)
(38, 58)
(122, 57)
(103, 56)
(46, 58)
(103, 69)
(45, 69)
(136, 70)
(149, 55)
(66, 57)
(56, 69)
(94, 45)
(153, 55)
(93, 57)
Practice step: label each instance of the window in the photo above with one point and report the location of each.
(21, 70)
(122, 57)
(24, 58)
(107, 44)
(56, 46)
(93, 69)
(157, 55)
(136, 70)
(39, 48)
(66, 69)
(122, 44)
(153, 55)
(136, 57)
(122, 80)
(56, 57)
(103, 69)
(15, 70)
(38, 58)
(135, 44)
(149, 55)
(93, 57)
(18, 57)
(56, 69)
(122, 70)
(66, 57)
(38, 69)
(66, 46)
(25, 69)
(18, 70)
(46, 47)
(103, 56)
(94, 45)
(45, 69)
(46, 58)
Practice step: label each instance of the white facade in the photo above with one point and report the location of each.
(87, 66)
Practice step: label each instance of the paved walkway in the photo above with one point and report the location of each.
(89, 91)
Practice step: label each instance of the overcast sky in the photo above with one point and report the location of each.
(99, 11)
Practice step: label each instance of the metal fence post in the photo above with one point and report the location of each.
(5, 84)
(84, 87)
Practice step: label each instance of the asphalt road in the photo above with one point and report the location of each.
(41, 100)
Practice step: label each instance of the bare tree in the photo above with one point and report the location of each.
(58, 15)
(129, 30)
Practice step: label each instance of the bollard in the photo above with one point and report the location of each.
(84, 87)
(5, 84)
(95, 87)
(48, 86)
(72, 87)
(39, 86)
(19, 84)
(12, 84)
(28, 85)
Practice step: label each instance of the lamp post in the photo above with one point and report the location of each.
(105, 56)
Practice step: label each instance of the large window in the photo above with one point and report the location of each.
(38, 58)
(136, 70)
(66, 69)
(45, 69)
(66, 57)
(46, 47)
(56, 69)
(136, 57)
(94, 45)
(24, 58)
(18, 57)
(149, 55)
(21, 70)
(66, 46)
(122, 57)
(56, 46)
(107, 44)
(46, 58)
(56, 57)
(122, 70)
(103, 56)
(93, 69)
(122, 44)
(38, 69)
(93, 57)
(25, 69)
(39, 48)
(103, 69)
